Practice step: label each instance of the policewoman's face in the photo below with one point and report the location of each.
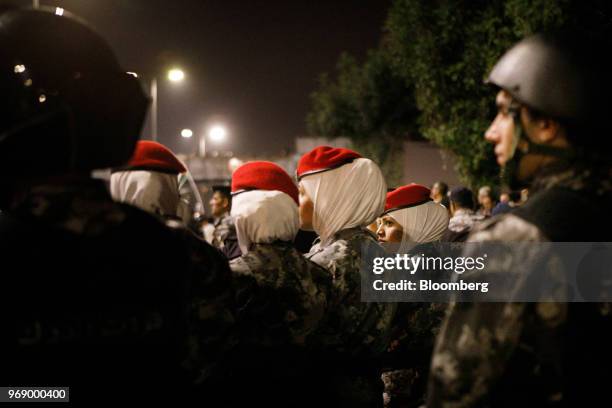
(435, 191)
(306, 210)
(389, 230)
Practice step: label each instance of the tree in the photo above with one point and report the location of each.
(371, 105)
(445, 49)
(427, 77)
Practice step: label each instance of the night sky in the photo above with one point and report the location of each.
(249, 64)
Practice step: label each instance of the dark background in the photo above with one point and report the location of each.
(249, 64)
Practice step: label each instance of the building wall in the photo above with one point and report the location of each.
(306, 144)
(423, 163)
(426, 163)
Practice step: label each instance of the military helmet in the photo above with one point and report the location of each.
(66, 103)
(545, 73)
(562, 76)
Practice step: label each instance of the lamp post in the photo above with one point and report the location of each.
(153, 93)
(174, 75)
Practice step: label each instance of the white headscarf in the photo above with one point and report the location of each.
(152, 191)
(263, 217)
(423, 223)
(350, 196)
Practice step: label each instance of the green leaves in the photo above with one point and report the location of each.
(426, 78)
(445, 49)
(369, 103)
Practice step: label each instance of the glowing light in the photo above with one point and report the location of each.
(186, 133)
(59, 11)
(134, 74)
(234, 163)
(42, 98)
(217, 133)
(176, 75)
(19, 68)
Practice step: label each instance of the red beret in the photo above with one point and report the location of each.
(154, 157)
(324, 158)
(263, 175)
(407, 196)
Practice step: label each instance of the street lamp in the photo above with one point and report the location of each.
(234, 163)
(186, 133)
(216, 133)
(174, 75)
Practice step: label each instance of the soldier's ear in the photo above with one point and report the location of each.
(552, 132)
(542, 129)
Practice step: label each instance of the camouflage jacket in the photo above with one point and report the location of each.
(224, 229)
(530, 354)
(407, 359)
(353, 334)
(102, 290)
(224, 236)
(351, 326)
(281, 298)
(463, 219)
(280, 295)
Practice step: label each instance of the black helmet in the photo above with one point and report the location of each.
(66, 104)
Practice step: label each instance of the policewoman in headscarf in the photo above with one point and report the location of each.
(280, 295)
(341, 193)
(150, 181)
(411, 217)
(411, 221)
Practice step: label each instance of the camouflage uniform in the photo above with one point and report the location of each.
(406, 361)
(530, 354)
(463, 219)
(279, 293)
(224, 236)
(224, 228)
(352, 326)
(353, 331)
(103, 293)
(281, 298)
